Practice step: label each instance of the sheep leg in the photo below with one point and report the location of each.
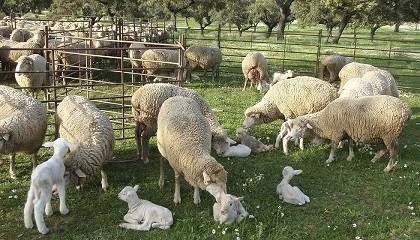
(392, 158)
(301, 143)
(39, 210)
(246, 80)
(197, 199)
(351, 151)
(12, 168)
(177, 194)
(104, 179)
(379, 155)
(34, 160)
(332, 152)
(162, 172)
(29, 208)
(133, 226)
(278, 138)
(62, 195)
(285, 141)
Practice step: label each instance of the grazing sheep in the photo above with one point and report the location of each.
(160, 62)
(254, 68)
(291, 194)
(331, 66)
(184, 140)
(256, 145)
(291, 97)
(23, 124)
(32, 74)
(142, 214)
(353, 70)
(146, 103)
(202, 57)
(45, 176)
(82, 123)
(343, 118)
(280, 76)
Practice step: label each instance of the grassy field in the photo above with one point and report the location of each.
(349, 200)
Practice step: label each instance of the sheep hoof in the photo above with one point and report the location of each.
(64, 211)
(146, 160)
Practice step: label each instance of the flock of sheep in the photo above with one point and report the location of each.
(365, 109)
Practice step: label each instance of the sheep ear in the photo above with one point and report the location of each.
(6, 136)
(47, 144)
(297, 172)
(240, 198)
(136, 188)
(80, 173)
(207, 179)
(309, 126)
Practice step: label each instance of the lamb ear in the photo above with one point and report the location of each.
(207, 179)
(6, 136)
(309, 126)
(136, 188)
(240, 198)
(80, 173)
(297, 172)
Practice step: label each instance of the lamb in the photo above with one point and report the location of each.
(143, 215)
(352, 70)
(146, 103)
(236, 150)
(256, 145)
(202, 57)
(291, 194)
(32, 74)
(184, 140)
(47, 175)
(331, 66)
(160, 62)
(82, 123)
(292, 97)
(254, 68)
(280, 76)
(23, 124)
(343, 117)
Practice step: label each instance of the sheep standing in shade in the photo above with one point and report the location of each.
(256, 145)
(47, 175)
(162, 62)
(142, 214)
(202, 57)
(371, 120)
(289, 193)
(184, 140)
(331, 66)
(23, 124)
(255, 69)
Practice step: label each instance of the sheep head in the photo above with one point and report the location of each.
(289, 172)
(128, 193)
(4, 137)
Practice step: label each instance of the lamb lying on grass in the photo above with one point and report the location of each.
(256, 145)
(47, 175)
(289, 193)
(142, 214)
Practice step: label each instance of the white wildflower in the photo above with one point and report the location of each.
(258, 206)
(251, 216)
(213, 231)
(354, 225)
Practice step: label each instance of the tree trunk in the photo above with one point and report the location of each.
(373, 31)
(269, 31)
(186, 22)
(329, 33)
(397, 27)
(282, 23)
(173, 16)
(342, 26)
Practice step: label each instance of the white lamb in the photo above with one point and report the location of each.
(283, 136)
(142, 214)
(289, 193)
(47, 175)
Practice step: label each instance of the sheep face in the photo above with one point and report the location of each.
(289, 172)
(231, 209)
(220, 145)
(240, 133)
(299, 127)
(128, 193)
(4, 137)
(254, 118)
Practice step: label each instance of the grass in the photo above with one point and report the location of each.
(349, 200)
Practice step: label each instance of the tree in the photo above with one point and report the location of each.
(236, 12)
(174, 7)
(285, 12)
(204, 12)
(266, 11)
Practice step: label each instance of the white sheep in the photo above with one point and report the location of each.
(331, 66)
(353, 70)
(9, 57)
(256, 145)
(291, 194)
(146, 103)
(20, 35)
(236, 150)
(255, 69)
(184, 140)
(23, 124)
(47, 175)
(280, 76)
(202, 57)
(82, 123)
(135, 51)
(288, 98)
(32, 74)
(143, 215)
(343, 117)
(162, 62)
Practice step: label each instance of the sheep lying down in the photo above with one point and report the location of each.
(236, 149)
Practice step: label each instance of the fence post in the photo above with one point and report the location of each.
(354, 44)
(219, 30)
(318, 54)
(181, 60)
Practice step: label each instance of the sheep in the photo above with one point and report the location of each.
(31, 73)
(45, 176)
(9, 57)
(70, 56)
(344, 117)
(288, 193)
(184, 140)
(254, 68)
(20, 35)
(256, 145)
(146, 103)
(82, 123)
(280, 76)
(236, 150)
(331, 66)
(23, 124)
(142, 214)
(202, 57)
(291, 97)
(135, 51)
(160, 62)
(352, 70)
